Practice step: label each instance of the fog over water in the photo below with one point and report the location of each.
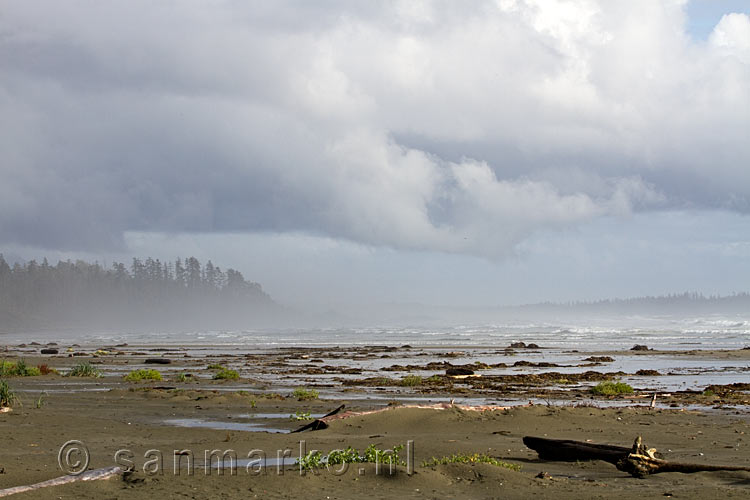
(400, 163)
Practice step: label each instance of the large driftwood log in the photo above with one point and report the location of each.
(641, 462)
(565, 450)
(638, 461)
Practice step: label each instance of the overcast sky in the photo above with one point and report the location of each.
(336, 151)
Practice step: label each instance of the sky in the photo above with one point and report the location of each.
(342, 152)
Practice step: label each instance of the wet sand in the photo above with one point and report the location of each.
(108, 414)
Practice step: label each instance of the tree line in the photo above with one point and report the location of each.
(145, 294)
(689, 303)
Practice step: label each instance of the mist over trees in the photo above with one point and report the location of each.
(146, 294)
(637, 311)
(186, 295)
(686, 303)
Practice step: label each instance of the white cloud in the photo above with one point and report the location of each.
(413, 125)
(732, 35)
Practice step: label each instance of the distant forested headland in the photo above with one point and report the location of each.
(687, 303)
(147, 294)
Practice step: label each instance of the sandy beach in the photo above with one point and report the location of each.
(121, 422)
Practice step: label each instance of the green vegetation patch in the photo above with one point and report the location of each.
(85, 369)
(40, 400)
(31, 371)
(18, 369)
(6, 367)
(411, 381)
(303, 394)
(611, 388)
(143, 374)
(475, 458)
(216, 366)
(226, 374)
(7, 395)
(301, 415)
(372, 454)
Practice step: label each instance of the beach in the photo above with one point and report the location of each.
(336, 250)
(409, 401)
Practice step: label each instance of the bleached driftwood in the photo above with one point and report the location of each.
(322, 422)
(92, 475)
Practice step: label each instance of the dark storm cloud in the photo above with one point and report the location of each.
(413, 125)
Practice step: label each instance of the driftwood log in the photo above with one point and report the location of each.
(319, 423)
(337, 414)
(642, 461)
(90, 475)
(565, 450)
(638, 461)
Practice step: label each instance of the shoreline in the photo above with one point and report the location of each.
(199, 413)
(403, 372)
